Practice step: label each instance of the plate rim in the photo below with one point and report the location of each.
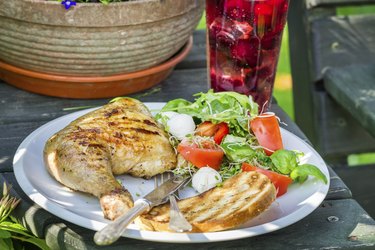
(167, 237)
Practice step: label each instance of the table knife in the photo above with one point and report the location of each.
(159, 195)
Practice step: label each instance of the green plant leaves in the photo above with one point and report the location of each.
(11, 229)
(4, 234)
(230, 107)
(6, 244)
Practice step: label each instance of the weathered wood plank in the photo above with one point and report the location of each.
(334, 3)
(341, 41)
(334, 225)
(360, 181)
(9, 141)
(334, 125)
(353, 87)
(338, 189)
(21, 106)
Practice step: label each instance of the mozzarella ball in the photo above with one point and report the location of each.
(205, 179)
(181, 125)
(169, 114)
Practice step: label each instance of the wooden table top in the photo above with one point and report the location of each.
(339, 222)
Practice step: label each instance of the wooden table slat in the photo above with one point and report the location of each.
(353, 87)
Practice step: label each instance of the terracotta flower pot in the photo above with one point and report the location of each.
(92, 39)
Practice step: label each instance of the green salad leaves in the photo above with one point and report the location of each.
(240, 145)
(230, 107)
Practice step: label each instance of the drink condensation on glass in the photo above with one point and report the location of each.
(244, 38)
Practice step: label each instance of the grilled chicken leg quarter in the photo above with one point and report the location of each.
(121, 137)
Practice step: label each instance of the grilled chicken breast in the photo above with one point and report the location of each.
(121, 137)
(240, 199)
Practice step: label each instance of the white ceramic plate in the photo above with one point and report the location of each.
(84, 210)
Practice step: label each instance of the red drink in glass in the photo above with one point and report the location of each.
(244, 38)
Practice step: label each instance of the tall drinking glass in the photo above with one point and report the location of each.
(244, 38)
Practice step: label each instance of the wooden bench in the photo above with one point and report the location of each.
(319, 39)
(333, 70)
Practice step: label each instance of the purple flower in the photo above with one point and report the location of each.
(68, 3)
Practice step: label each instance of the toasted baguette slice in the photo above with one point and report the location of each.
(240, 199)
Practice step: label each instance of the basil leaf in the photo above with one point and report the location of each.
(236, 149)
(301, 173)
(238, 152)
(284, 161)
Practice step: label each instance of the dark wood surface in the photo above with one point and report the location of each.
(340, 41)
(339, 222)
(353, 87)
(360, 180)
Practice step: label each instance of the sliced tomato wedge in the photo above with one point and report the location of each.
(280, 181)
(267, 131)
(209, 154)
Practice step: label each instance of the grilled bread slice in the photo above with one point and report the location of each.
(240, 199)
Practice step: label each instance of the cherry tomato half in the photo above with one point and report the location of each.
(280, 181)
(267, 131)
(208, 155)
(221, 132)
(218, 131)
(206, 129)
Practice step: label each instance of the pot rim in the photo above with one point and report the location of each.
(85, 4)
(97, 14)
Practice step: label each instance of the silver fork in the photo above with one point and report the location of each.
(177, 221)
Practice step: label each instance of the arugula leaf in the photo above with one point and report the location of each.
(177, 105)
(284, 161)
(301, 173)
(230, 107)
(245, 101)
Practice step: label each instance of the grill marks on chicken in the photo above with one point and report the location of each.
(119, 138)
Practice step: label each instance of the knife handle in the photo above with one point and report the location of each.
(114, 230)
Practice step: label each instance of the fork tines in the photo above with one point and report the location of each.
(161, 178)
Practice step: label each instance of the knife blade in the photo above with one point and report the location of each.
(159, 195)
